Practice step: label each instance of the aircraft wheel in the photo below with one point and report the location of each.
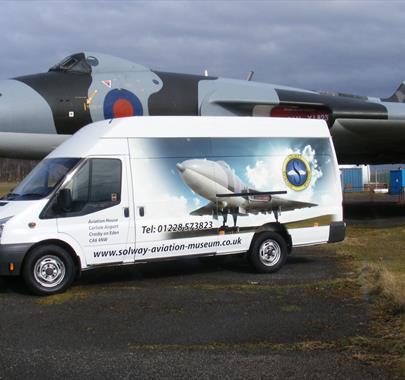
(48, 269)
(268, 252)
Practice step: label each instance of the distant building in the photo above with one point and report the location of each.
(354, 177)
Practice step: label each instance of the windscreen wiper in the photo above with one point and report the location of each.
(11, 196)
(31, 195)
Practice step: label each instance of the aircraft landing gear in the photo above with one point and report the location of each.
(225, 216)
(225, 212)
(277, 213)
(235, 218)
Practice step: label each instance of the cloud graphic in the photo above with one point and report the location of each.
(157, 200)
(178, 205)
(259, 175)
(267, 174)
(309, 154)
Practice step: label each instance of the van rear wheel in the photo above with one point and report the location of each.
(268, 252)
(48, 269)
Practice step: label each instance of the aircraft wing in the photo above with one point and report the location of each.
(264, 201)
(288, 205)
(275, 204)
(29, 145)
(361, 141)
(365, 130)
(208, 209)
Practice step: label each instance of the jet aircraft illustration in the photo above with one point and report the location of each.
(39, 111)
(227, 194)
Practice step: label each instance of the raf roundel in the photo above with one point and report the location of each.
(296, 172)
(121, 103)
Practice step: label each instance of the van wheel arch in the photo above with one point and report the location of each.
(61, 244)
(273, 227)
(268, 252)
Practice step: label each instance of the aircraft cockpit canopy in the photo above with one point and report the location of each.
(95, 63)
(224, 165)
(75, 63)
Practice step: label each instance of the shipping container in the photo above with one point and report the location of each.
(352, 179)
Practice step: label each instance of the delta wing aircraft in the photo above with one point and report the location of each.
(227, 194)
(38, 112)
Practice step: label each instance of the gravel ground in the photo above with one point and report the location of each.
(188, 319)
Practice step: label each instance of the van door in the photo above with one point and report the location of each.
(175, 197)
(98, 217)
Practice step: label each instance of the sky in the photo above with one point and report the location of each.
(346, 46)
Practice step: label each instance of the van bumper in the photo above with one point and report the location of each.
(11, 258)
(337, 231)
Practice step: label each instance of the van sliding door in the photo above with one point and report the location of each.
(175, 197)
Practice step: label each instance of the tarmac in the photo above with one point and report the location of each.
(215, 319)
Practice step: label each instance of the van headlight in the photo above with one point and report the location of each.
(2, 223)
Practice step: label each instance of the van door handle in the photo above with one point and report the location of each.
(126, 212)
(141, 210)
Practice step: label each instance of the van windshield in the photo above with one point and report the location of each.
(42, 179)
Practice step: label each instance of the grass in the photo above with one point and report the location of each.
(303, 346)
(291, 308)
(324, 285)
(57, 299)
(377, 255)
(6, 187)
(377, 280)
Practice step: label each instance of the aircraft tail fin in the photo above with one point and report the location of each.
(399, 95)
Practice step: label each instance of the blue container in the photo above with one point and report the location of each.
(397, 181)
(352, 179)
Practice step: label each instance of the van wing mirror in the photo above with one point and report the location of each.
(64, 200)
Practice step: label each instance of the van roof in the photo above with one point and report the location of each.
(191, 126)
(205, 126)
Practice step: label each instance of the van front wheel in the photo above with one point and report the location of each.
(48, 269)
(268, 252)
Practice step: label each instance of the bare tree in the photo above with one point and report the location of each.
(14, 170)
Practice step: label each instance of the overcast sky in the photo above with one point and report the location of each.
(347, 46)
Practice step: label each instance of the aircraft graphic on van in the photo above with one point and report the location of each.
(218, 183)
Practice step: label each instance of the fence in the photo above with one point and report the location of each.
(373, 192)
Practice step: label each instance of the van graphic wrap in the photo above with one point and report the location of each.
(141, 189)
(208, 187)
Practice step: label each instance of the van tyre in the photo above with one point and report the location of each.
(268, 253)
(48, 269)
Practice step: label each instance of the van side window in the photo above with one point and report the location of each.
(105, 182)
(79, 185)
(94, 187)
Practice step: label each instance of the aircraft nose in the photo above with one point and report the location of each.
(180, 167)
(199, 167)
(23, 110)
(193, 165)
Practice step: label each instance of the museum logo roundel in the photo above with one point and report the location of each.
(296, 172)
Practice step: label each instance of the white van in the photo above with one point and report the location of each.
(139, 189)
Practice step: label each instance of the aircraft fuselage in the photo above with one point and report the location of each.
(39, 111)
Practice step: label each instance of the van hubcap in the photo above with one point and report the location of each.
(269, 252)
(49, 271)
